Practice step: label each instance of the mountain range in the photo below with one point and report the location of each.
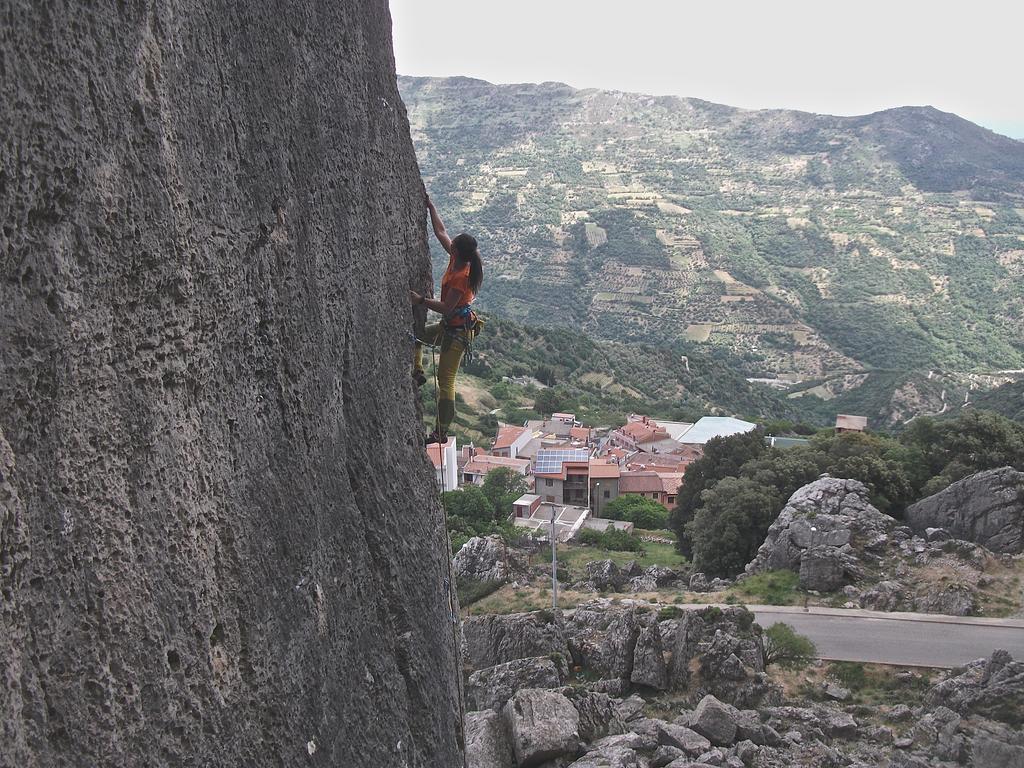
(826, 253)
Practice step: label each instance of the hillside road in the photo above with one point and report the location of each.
(912, 639)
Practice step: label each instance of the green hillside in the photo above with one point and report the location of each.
(815, 248)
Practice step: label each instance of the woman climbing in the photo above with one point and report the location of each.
(459, 324)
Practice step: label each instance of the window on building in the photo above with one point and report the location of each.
(548, 482)
(671, 499)
(607, 494)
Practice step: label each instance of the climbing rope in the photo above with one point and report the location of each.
(450, 579)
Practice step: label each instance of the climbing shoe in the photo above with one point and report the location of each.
(419, 377)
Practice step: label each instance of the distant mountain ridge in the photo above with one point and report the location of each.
(809, 246)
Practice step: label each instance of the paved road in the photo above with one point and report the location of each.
(917, 639)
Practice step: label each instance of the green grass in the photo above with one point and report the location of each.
(575, 558)
(771, 588)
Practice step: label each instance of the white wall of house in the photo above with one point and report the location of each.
(449, 481)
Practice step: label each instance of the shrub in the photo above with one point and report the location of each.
(669, 612)
(634, 508)
(771, 588)
(618, 541)
(784, 647)
(849, 673)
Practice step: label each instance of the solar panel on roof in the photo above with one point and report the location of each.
(549, 461)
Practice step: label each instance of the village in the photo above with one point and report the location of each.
(573, 471)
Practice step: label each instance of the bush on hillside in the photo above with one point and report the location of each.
(633, 508)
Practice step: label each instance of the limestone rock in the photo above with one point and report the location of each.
(886, 596)
(714, 720)
(992, 687)
(683, 738)
(482, 558)
(698, 582)
(490, 640)
(822, 568)
(491, 687)
(604, 575)
(543, 724)
(488, 743)
(598, 714)
(603, 637)
(649, 666)
(986, 508)
(730, 654)
(831, 524)
(212, 214)
(608, 757)
(954, 600)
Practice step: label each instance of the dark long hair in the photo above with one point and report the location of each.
(465, 247)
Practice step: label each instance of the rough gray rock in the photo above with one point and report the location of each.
(886, 596)
(954, 600)
(831, 523)
(488, 743)
(482, 558)
(212, 214)
(604, 575)
(939, 733)
(698, 582)
(992, 753)
(602, 637)
(495, 639)
(822, 568)
(683, 738)
(986, 508)
(714, 720)
(649, 667)
(490, 688)
(608, 757)
(730, 654)
(598, 713)
(544, 725)
(654, 578)
(992, 687)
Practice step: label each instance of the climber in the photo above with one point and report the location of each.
(459, 323)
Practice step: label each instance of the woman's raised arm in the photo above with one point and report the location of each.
(439, 230)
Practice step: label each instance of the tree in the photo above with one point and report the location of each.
(783, 646)
(470, 504)
(731, 524)
(634, 508)
(723, 457)
(502, 486)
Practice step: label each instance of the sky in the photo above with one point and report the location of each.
(831, 56)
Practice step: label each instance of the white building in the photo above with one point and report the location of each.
(446, 464)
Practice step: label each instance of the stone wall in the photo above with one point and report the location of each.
(220, 540)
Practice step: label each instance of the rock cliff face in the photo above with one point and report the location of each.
(986, 508)
(219, 543)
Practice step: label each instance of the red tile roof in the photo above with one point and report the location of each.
(640, 482)
(507, 434)
(600, 470)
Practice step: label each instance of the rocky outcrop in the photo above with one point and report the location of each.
(543, 725)
(727, 650)
(212, 215)
(827, 532)
(482, 558)
(488, 744)
(496, 639)
(992, 687)
(490, 688)
(986, 508)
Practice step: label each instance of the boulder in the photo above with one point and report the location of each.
(482, 558)
(992, 687)
(488, 744)
(491, 687)
(729, 651)
(714, 720)
(495, 639)
(986, 508)
(939, 733)
(992, 753)
(604, 575)
(649, 667)
(655, 577)
(822, 568)
(698, 582)
(886, 596)
(608, 757)
(602, 637)
(831, 525)
(683, 738)
(543, 725)
(598, 713)
(954, 600)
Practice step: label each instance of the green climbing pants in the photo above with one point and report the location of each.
(453, 345)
